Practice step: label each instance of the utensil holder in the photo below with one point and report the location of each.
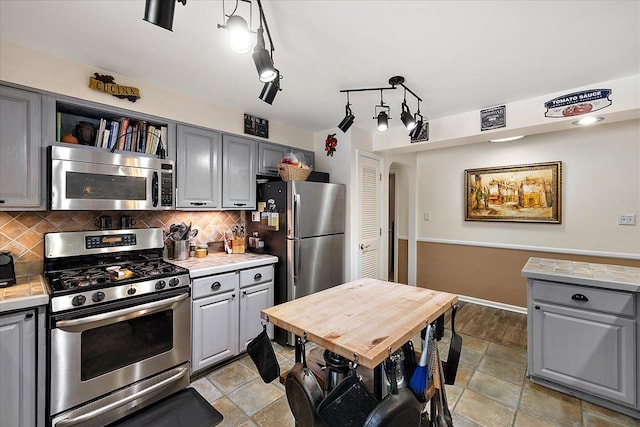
(180, 249)
(238, 246)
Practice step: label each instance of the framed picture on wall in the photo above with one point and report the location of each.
(520, 193)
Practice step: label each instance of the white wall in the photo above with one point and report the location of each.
(600, 180)
(37, 70)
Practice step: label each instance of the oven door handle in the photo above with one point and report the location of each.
(91, 322)
(103, 410)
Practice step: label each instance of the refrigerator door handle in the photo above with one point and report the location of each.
(296, 261)
(296, 216)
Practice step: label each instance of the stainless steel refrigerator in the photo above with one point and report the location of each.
(310, 241)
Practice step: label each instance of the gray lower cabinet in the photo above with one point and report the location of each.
(584, 338)
(20, 153)
(256, 294)
(226, 313)
(199, 176)
(18, 352)
(238, 173)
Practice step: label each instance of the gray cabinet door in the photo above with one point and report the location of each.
(269, 155)
(18, 369)
(238, 173)
(199, 175)
(20, 141)
(589, 351)
(215, 329)
(253, 300)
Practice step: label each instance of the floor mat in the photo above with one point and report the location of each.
(181, 409)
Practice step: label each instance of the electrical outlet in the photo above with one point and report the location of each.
(427, 216)
(628, 219)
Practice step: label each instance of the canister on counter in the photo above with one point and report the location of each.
(192, 249)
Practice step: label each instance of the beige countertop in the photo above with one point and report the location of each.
(28, 292)
(616, 277)
(220, 262)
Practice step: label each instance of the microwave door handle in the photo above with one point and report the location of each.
(154, 189)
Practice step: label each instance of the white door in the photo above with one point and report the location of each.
(369, 214)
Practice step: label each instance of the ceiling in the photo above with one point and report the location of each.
(458, 56)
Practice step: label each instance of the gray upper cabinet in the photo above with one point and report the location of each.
(20, 154)
(199, 178)
(238, 173)
(18, 369)
(269, 155)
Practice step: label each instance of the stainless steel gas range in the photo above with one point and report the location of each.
(119, 324)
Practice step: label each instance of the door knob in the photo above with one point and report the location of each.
(363, 246)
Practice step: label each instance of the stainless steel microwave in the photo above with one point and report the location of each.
(84, 178)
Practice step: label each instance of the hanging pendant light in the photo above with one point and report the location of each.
(406, 117)
(383, 121)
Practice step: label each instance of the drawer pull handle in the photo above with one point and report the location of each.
(537, 307)
(216, 286)
(579, 297)
(257, 276)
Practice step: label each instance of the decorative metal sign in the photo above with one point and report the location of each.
(577, 103)
(493, 118)
(423, 135)
(106, 84)
(256, 126)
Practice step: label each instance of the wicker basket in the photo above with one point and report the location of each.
(293, 173)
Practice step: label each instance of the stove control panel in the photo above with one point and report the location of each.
(110, 241)
(114, 293)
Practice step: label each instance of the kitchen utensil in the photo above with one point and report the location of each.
(7, 269)
(348, 404)
(445, 413)
(455, 348)
(418, 382)
(192, 234)
(336, 369)
(398, 409)
(303, 392)
(103, 222)
(185, 234)
(260, 350)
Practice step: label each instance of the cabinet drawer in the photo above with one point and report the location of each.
(603, 300)
(256, 275)
(210, 285)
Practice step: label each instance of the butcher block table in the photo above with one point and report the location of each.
(367, 317)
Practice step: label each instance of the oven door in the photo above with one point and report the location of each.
(77, 185)
(95, 352)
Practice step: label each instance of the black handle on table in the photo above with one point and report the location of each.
(579, 297)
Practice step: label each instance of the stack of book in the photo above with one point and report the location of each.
(131, 135)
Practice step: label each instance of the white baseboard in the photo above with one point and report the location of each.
(493, 304)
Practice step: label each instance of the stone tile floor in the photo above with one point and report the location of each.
(491, 388)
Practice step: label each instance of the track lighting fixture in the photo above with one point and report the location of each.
(160, 12)
(241, 41)
(239, 34)
(414, 123)
(262, 59)
(382, 116)
(271, 89)
(346, 123)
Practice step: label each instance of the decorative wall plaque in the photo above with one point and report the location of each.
(493, 118)
(256, 126)
(107, 84)
(577, 103)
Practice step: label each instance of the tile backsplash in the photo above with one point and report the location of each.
(21, 233)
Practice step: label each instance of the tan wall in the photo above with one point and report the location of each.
(487, 273)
